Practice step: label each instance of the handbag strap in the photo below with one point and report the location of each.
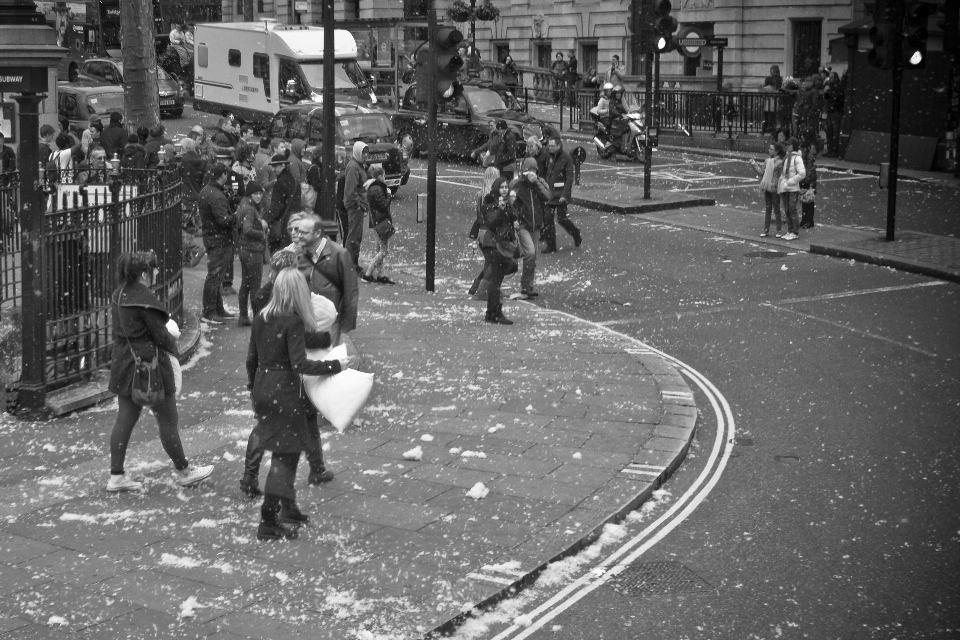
(136, 358)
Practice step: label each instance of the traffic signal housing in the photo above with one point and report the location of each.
(442, 59)
(949, 23)
(664, 26)
(879, 55)
(915, 35)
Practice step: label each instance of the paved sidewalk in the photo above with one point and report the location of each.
(566, 425)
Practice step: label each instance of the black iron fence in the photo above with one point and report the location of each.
(85, 229)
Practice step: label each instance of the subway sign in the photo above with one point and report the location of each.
(23, 79)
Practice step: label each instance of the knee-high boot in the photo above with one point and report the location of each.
(250, 483)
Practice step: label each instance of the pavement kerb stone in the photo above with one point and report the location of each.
(942, 272)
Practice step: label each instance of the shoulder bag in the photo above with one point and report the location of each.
(146, 387)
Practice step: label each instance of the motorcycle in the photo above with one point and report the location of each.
(631, 143)
(170, 62)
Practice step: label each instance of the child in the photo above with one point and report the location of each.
(769, 173)
(378, 196)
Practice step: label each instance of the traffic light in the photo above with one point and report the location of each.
(879, 55)
(664, 26)
(915, 35)
(446, 63)
(949, 23)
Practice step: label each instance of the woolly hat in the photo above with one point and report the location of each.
(253, 187)
(528, 164)
(218, 170)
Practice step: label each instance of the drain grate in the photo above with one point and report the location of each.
(653, 578)
(766, 254)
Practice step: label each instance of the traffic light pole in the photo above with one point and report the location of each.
(328, 175)
(648, 119)
(896, 68)
(431, 155)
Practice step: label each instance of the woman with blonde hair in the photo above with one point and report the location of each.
(276, 359)
(480, 283)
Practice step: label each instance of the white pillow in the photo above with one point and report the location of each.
(323, 311)
(339, 397)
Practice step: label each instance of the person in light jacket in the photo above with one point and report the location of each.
(789, 186)
(769, 173)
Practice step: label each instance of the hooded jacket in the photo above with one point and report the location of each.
(134, 156)
(533, 195)
(354, 194)
(297, 167)
(114, 139)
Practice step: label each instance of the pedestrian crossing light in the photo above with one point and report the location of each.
(879, 55)
(446, 64)
(664, 26)
(915, 35)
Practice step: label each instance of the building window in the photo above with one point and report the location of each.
(500, 51)
(544, 55)
(807, 38)
(588, 57)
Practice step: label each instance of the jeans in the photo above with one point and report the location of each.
(218, 259)
(528, 244)
(376, 267)
(251, 273)
(557, 213)
(354, 235)
(773, 205)
(128, 414)
(789, 200)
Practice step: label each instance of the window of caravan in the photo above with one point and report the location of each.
(346, 75)
(201, 55)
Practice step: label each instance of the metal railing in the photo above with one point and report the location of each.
(85, 229)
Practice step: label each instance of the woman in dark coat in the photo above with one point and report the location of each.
(510, 74)
(809, 151)
(140, 326)
(499, 217)
(276, 359)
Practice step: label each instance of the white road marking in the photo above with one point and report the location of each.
(656, 531)
(861, 332)
(456, 184)
(861, 292)
(756, 184)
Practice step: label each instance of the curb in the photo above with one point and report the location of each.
(679, 418)
(644, 206)
(879, 259)
(81, 395)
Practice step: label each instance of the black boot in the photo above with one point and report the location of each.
(249, 484)
(499, 318)
(290, 513)
(493, 299)
(270, 527)
(314, 453)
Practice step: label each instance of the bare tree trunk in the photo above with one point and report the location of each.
(141, 96)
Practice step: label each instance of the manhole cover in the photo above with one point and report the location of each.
(653, 578)
(766, 254)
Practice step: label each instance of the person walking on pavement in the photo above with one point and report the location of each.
(252, 239)
(379, 196)
(499, 216)
(355, 201)
(482, 282)
(788, 187)
(284, 200)
(276, 359)
(769, 173)
(218, 224)
(559, 175)
(140, 332)
(532, 194)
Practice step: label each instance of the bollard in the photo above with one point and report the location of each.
(579, 155)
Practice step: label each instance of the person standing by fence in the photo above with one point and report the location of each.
(833, 96)
(510, 74)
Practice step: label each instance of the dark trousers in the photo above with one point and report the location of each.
(354, 236)
(313, 449)
(557, 213)
(251, 273)
(497, 269)
(833, 132)
(128, 414)
(280, 479)
(228, 275)
(218, 259)
(807, 210)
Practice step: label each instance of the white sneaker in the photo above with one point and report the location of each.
(121, 482)
(192, 476)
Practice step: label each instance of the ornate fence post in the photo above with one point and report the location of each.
(33, 392)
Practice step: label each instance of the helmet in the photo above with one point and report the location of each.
(606, 88)
(618, 90)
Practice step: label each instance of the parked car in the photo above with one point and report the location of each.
(110, 71)
(77, 102)
(353, 123)
(464, 124)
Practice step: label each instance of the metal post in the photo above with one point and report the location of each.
(328, 201)
(431, 154)
(33, 392)
(896, 67)
(656, 91)
(648, 119)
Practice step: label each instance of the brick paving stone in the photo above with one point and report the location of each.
(143, 623)
(512, 465)
(401, 489)
(580, 474)
(580, 456)
(39, 632)
(375, 510)
(11, 624)
(166, 593)
(463, 478)
(676, 420)
(537, 406)
(15, 549)
(80, 606)
(432, 453)
(677, 433)
(654, 458)
(18, 578)
(490, 444)
(532, 434)
(523, 510)
(546, 490)
(620, 443)
(618, 493)
(665, 444)
(302, 625)
(74, 567)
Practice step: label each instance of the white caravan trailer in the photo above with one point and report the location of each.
(253, 69)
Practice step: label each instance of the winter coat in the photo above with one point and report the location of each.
(534, 196)
(192, 170)
(315, 180)
(499, 221)
(276, 358)
(791, 175)
(809, 157)
(333, 276)
(215, 217)
(354, 195)
(284, 200)
(224, 143)
(379, 196)
(114, 139)
(559, 175)
(8, 159)
(510, 74)
(138, 316)
(252, 236)
(297, 166)
(134, 157)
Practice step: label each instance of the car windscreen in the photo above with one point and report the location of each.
(346, 75)
(105, 102)
(484, 100)
(368, 126)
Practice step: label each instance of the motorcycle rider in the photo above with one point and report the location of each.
(603, 105)
(617, 111)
